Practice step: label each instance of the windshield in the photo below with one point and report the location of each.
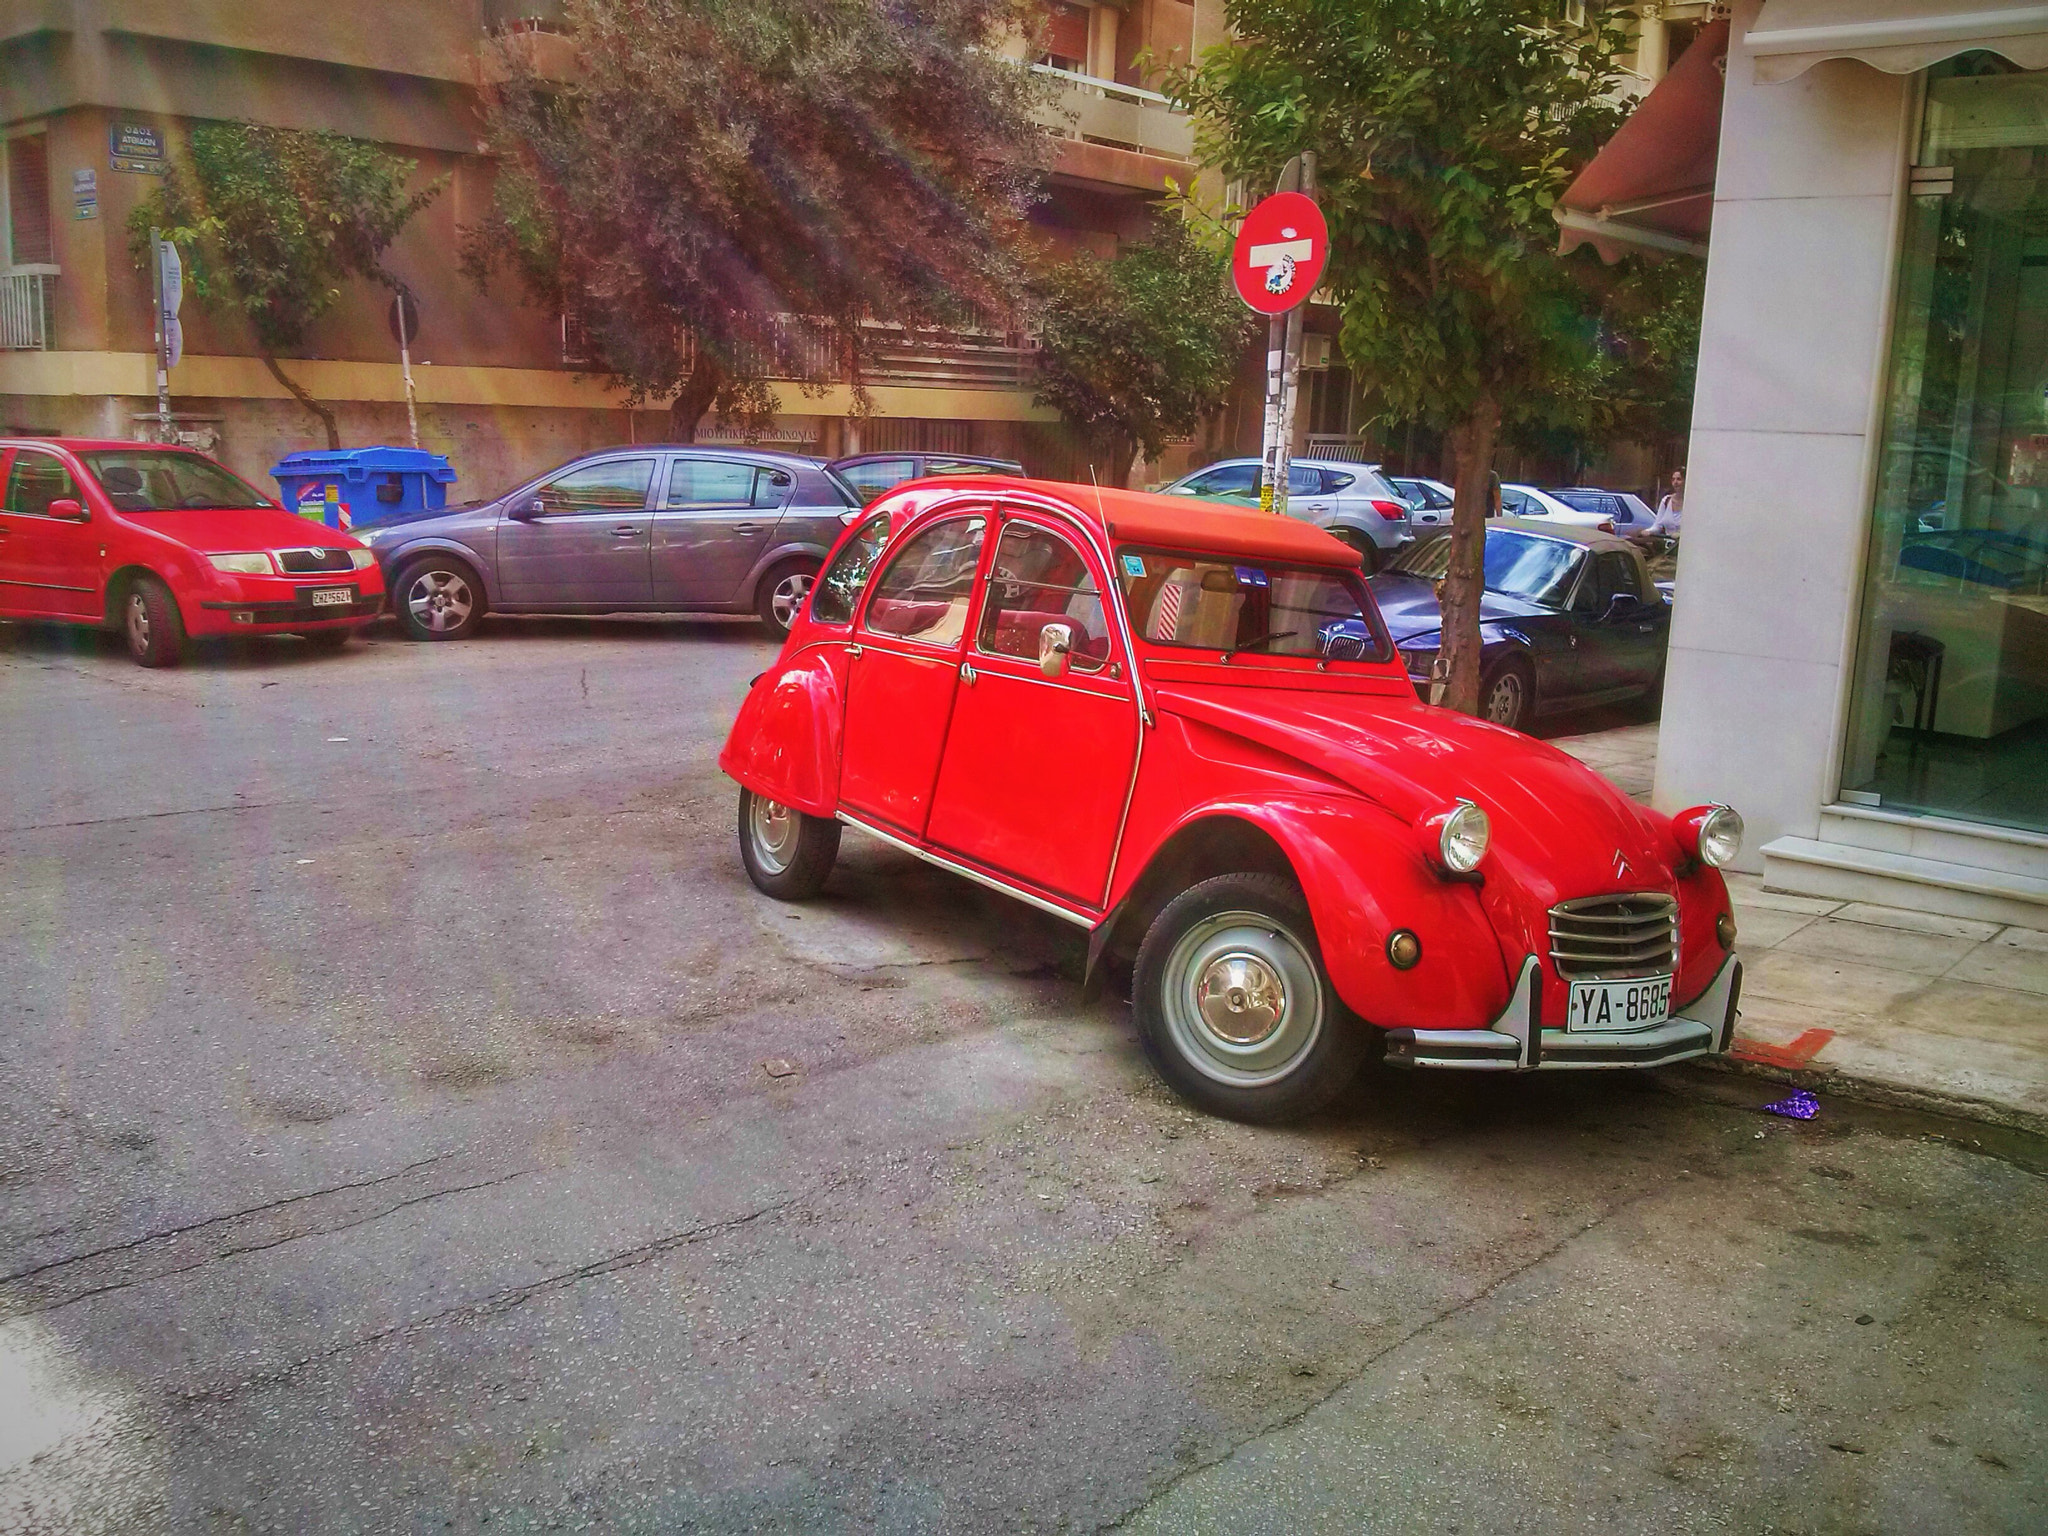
(164, 480)
(1205, 602)
(1520, 565)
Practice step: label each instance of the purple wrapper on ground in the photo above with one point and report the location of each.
(1800, 1106)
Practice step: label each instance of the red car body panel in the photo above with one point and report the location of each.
(1067, 794)
(51, 568)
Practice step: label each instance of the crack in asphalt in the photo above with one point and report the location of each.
(213, 1221)
(500, 1301)
(1457, 1309)
(112, 821)
(275, 1242)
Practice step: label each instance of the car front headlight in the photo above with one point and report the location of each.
(362, 559)
(242, 565)
(1710, 833)
(1457, 839)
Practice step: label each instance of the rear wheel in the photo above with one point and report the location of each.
(788, 854)
(437, 598)
(152, 624)
(1507, 694)
(782, 593)
(1233, 1005)
(1368, 552)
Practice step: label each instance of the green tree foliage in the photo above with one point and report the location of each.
(272, 222)
(1445, 131)
(724, 191)
(1139, 348)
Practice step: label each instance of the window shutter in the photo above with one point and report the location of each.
(1066, 34)
(28, 200)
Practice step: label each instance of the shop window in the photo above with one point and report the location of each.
(30, 240)
(1949, 711)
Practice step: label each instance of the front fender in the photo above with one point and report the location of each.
(432, 544)
(785, 743)
(1364, 878)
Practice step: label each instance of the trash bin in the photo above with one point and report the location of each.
(356, 487)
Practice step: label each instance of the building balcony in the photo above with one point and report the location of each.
(1120, 135)
(28, 298)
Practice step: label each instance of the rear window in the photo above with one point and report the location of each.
(1207, 602)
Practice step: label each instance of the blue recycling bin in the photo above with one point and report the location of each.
(356, 487)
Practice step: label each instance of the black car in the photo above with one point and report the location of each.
(1570, 618)
(871, 474)
(646, 529)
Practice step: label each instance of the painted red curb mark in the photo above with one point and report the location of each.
(1793, 1054)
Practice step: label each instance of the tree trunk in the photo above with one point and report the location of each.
(1472, 444)
(687, 410)
(1123, 450)
(299, 394)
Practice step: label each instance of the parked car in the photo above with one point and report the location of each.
(1429, 501)
(871, 474)
(1569, 619)
(1353, 501)
(1527, 501)
(1186, 730)
(647, 529)
(1628, 512)
(163, 543)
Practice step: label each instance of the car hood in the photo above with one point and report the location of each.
(1558, 826)
(1409, 605)
(228, 531)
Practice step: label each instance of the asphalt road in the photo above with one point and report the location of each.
(386, 1144)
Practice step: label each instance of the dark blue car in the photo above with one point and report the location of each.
(1570, 618)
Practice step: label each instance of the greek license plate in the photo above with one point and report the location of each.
(1639, 1003)
(331, 597)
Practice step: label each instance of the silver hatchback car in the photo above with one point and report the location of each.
(646, 529)
(1353, 501)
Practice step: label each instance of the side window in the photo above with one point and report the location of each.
(1304, 482)
(924, 592)
(841, 583)
(1227, 479)
(1334, 481)
(1040, 579)
(36, 480)
(617, 485)
(772, 487)
(1615, 575)
(878, 475)
(695, 483)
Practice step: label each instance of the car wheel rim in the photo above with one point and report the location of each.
(138, 622)
(773, 827)
(439, 601)
(788, 598)
(1243, 999)
(1504, 700)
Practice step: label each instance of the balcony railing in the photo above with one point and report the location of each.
(958, 357)
(1121, 116)
(27, 296)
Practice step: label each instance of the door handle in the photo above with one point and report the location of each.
(626, 531)
(853, 650)
(967, 673)
(746, 527)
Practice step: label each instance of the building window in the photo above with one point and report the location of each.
(1949, 710)
(1066, 37)
(30, 240)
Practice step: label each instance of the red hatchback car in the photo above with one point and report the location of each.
(164, 543)
(1183, 728)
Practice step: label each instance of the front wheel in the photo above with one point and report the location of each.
(437, 598)
(782, 595)
(1234, 1007)
(788, 854)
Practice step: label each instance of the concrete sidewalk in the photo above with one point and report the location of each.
(1882, 1003)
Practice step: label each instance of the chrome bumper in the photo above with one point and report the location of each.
(1517, 1042)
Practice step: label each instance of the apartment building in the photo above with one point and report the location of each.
(95, 96)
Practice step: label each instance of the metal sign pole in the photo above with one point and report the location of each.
(1290, 366)
(1272, 478)
(163, 338)
(412, 420)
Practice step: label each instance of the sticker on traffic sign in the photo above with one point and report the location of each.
(1282, 248)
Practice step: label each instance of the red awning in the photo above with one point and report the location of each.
(1652, 187)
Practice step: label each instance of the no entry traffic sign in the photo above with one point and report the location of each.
(1282, 248)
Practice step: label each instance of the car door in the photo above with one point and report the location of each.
(1621, 637)
(904, 669)
(1037, 771)
(1312, 494)
(48, 565)
(712, 524)
(580, 539)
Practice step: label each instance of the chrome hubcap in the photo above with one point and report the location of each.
(1243, 1000)
(138, 621)
(439, 600)
(788, 597)
(773, 827)
(1504, 700)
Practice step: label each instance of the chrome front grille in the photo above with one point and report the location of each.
(1615, 935)
(309, 562)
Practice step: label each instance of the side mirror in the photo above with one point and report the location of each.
(68, 510)
(523, 510)
(1620, 606)
(1054, 642)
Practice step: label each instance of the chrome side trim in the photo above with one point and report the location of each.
(975, 875)
(43, 586)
